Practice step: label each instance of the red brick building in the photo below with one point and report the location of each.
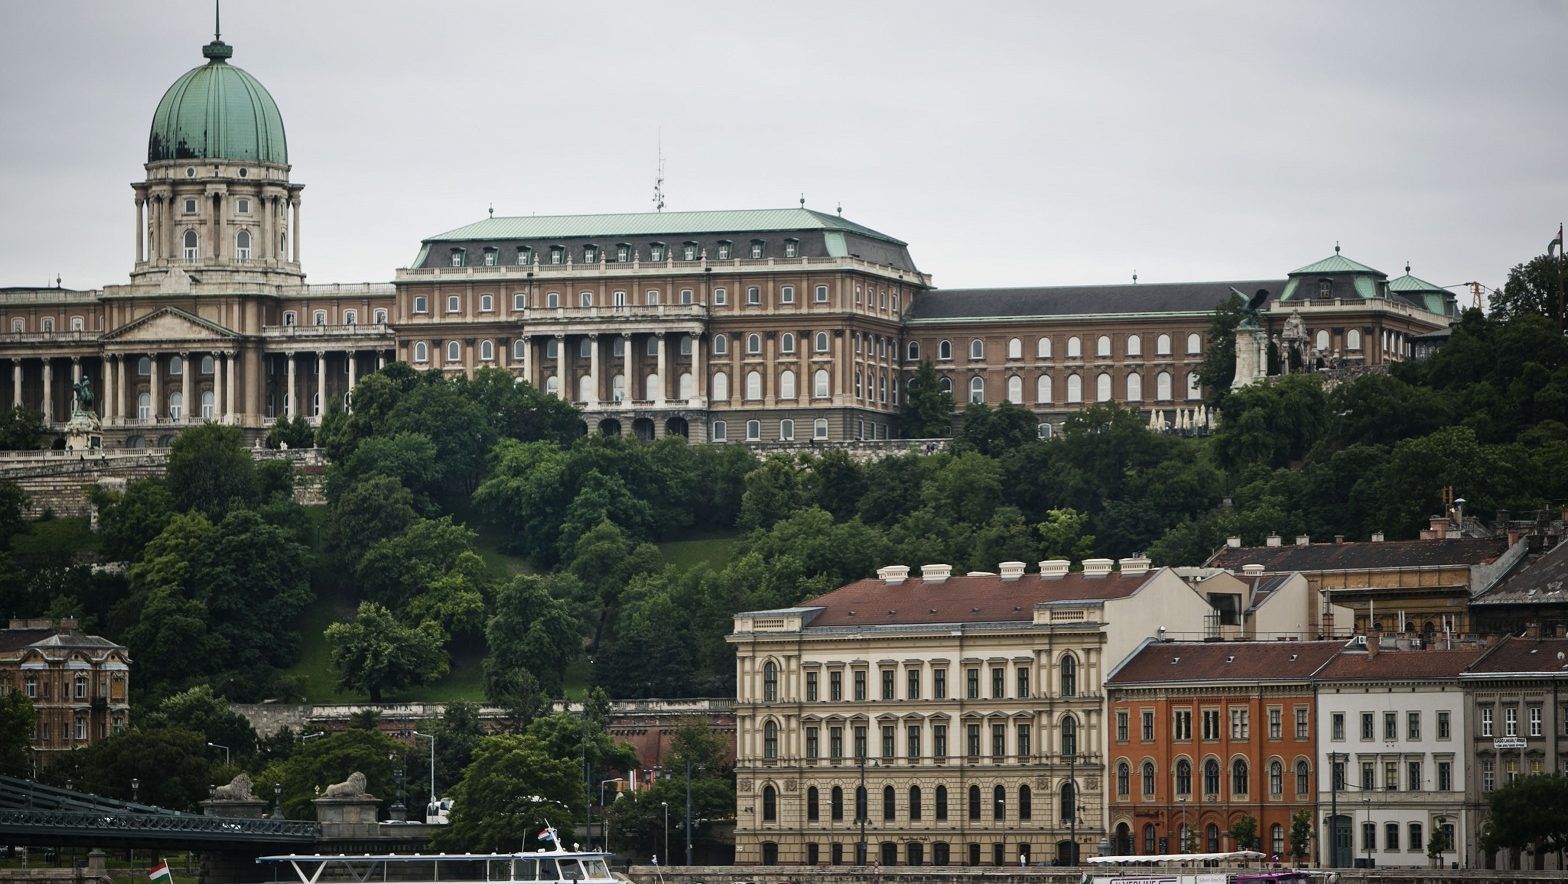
(1204, 734)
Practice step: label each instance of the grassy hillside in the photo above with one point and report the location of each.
(715, 549)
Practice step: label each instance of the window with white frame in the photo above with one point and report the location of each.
(1102, 346)
(454, 303)
(1134, 387)
(822, 342)
(686, 296)
(490, 257)
(786, 384)
(381, 316)
(753, 344)
(819, 384)
(486, 303)
(1042, 389)
(1102, 387)
(1194, 344)
(192, 245)
(753, 295)
(819, 428)
(787, 294)
(1015, 390)
(1134, 345)
(519, 301)
(721, 386)
(976, 390)
(1074, 348)
(721, 345)
(756, 248)
(585, 299)
(787, 342)
(454, 351)
(720, 297)
(976, 350)
(914, 351)
(1015, 348)
(786, 430)
(719, 431)
(821, 294)
(487, 351)
(1074, 388)
(944, 350)
(318, 318)
(753, 431)
(242, 245)
(421, 352)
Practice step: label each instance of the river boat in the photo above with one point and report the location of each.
(543, 866)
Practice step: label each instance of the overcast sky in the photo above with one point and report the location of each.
(1030, 143)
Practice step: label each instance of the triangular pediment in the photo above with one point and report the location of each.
(168, 324)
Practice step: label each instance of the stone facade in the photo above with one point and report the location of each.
(79, 684)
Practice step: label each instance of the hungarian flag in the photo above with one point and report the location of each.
(161, 870)
(1556, 243)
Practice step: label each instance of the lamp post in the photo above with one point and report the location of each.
(1366, 843)
(432, 809)
(225, 751)
(1181, 830)
(666, 806)
(1072, 821)
(604, 814)
(136, 789)
(277, 801)
(688, 811)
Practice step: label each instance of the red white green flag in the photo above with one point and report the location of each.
(160, 871)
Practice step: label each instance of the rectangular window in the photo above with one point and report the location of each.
(939, 741)
(1337, 726)
(1148, 725)
(1390, 776)
(753, 295)
(1367, 725)
(998, 683)
(1511, 722)
(1023, 741)
(1391, 836)
(1302, 727)
(972, 684)
(1442, 726)
(835, 742)
(1390, 726)
(1368, 776)
(860, 685)
(1276, 724)
(1486, 721)
(887, 741)
(835, 686)
(787, 294)
(1182, 726)
(1535, 721)
(1211, 724)
(811, 687)
(1413, 780)
(860, 742)
(1121, 727)
(912, 686)
(1413, 725)
(939, 683)
(1238, 724)
(821, 294)
(912, 743)
(1445, 776)
(972, 740)
(998, 742)
(811, 743)
(887, 684)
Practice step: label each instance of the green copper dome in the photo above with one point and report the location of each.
(217, 111)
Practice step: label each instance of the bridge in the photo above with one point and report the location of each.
(33, 814)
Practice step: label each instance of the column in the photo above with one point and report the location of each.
(264, 204)
(16, 383)
(106, 390)
(353, 371)
(120, 391)
(215, 206)
(840, 372)
(294, 230)
(141, 231)
(187, 404)
(321, 383)
(769, 379)
(156, 391)
(662, 368)
(630, 389)
(217, 386)
(228, 377)
(293, 400)
(593, 371)
(381, 359)
(76, 378)
(805, 388)
(698, 375)
(563, 383)
(528, 358)
(48, 402)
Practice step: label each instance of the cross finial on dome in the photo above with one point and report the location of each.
(216, 51)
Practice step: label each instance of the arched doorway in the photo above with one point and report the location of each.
(1066, 852)
(610, 427)
(676, 426)
(642, 429)
(1123, 844)
(770, 853)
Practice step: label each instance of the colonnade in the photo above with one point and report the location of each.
(292, 372)
(534, 364)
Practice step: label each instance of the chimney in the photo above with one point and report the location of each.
(1271, 540)
(1011, 570)
(1055, 568)
(1372, 643)
(1096, 567)
(935, 573)
(1513, 536)
(1532, 630)
(893, 575)
(1339, 538)
(1134, 566)
(1377, 537)
(1252, 570)
(1233, 542)
(1303, 539)
(1439, 526)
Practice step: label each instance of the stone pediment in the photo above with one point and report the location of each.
(168, 324)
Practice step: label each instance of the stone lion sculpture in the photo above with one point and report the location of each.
(353, 787)
(238, 789)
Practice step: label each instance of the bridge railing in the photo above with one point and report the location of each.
(183, 823)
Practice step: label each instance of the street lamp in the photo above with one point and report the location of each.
(605, 814)
(225, 751)
(863, 804)
(1181, 831)
(277, 801)
(433, 809)
(666, 806)
(136, 788)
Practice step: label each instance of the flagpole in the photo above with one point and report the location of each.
(1562, 318)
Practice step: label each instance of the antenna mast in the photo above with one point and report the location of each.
(658, 181)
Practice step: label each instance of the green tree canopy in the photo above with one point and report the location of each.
(374, 652)
(1531, 812)
(512, 789)
(210, 470)
(926, 411)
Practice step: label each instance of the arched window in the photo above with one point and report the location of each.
(242, 245)
(753, 385)
(1042, 348)
(813, 812)
(1148, 778)
(421, 351)
(1123, 779)
(1074, 388)
(1194, 344)
(974, 802)
(1134, 345)
(787, 384)
(1069, 802)
(819, 383)
(1042, 389)
(1277, 838)
(192, 244)
(1102, 387)
(1074, 348)
(318, 318)
(720, 431)
(1353, 339)
(976, 350)
(687, 385)
(1102, 345)
(1194, 385)
(1303, 777)
(787, 342)
(915, 810)
(721, 345)
(1276, 779)
(1015, 390)
(1322, 340)
(753, 344)
(889, 803)
(143, 407)
(946, 384)
(586, 388)
(552, 300)
(1183, 777)
(999, 803)
(862, 808)
(836, 804)
(1162, 345)
(206, 405)
(176, 406)
(1069, 675)
(1211, 777)
(650, 385)
(487, 350)
(1162, 387)
(914, 351)
(552, 386)
(1238, 776)
(753, 431)
(770, 682)
(770, 739)
(977, 389)
(822, 342)
(944, 350)
(721, 386)
(1015, 348)
(941, 803)
(859, 385)
(454, 351)
(177, 366)
(1069, 733)
(770, 804)
(1134, 387)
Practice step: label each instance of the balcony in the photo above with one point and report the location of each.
(52, 337)
(314, 332)
(696, 312)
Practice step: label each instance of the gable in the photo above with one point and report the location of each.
(169, 324)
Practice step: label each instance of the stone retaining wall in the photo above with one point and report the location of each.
(988, 875)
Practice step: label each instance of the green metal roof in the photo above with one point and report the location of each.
(656, 224)
(217, 111)
(1337, 263)
(1408, 284)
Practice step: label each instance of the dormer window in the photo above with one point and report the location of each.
(457, 257)
(623, 252)
(557, 255)
(1325, 288)
(490, 257)
(756, 248)
(791, 248)
(525, 255)
(689, 251)
(726, 250)
(656, 252)
(590, 254)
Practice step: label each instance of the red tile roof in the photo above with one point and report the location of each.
(1225, 661)
(1355, 666)
(1359, 556)
(977, 599)
(1534, 655)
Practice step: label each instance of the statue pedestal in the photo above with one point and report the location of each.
(235, 808)
(348, 817)
(83, 432)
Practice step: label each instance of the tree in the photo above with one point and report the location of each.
(316, 764)
(1245, 832)
(21, 429)
(1062, 535)
(128, 521)
(289, 432)
(394, 570)
(996, 431)
(12, 499)
(512, 789)
(375, 652)
(927, 410)
(462, 434)
(773, 491)
(531, 631)
(373, 509)
(1531, 288)
(1301, 834)
(210, 470)
(199, 710)
(1217, 371)
(1438, 842)
(17, 718)
(1531, 812)
(175, 767)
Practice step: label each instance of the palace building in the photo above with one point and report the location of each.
(778, 326)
